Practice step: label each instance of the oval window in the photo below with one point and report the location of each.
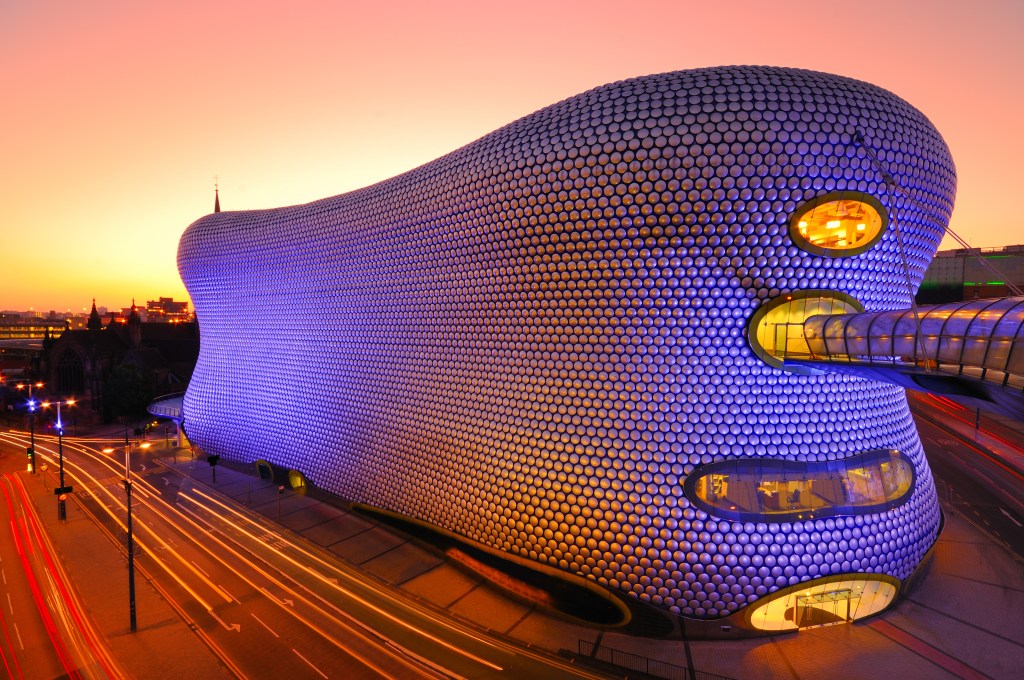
(839, 224)
(776, 329)
(839, 598)
(766, 490)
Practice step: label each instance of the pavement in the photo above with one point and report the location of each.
(962, 619)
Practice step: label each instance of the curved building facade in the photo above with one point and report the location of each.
(563, 341)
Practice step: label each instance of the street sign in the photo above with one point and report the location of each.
(61, 490)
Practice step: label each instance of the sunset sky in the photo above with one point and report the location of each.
(116, 115)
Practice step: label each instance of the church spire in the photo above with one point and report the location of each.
(94, 323)
(216, 197)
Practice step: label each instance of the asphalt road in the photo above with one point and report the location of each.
(981, 486)
(46, 631)
(267, 602)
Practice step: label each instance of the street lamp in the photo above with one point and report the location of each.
(131, 541)
(31, 422)
(61, 491)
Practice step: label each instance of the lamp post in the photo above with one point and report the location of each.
(61, 491)
(131, 541)
(31, 423)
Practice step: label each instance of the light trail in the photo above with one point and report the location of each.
(352, 595)
(398, 604)
(987, 433)
(80, 478)
(151, 499)
(10, 644)
(58, 576)
(155, 583)
(995, 460)
(44, 611)
(7, 633)
(195, 520)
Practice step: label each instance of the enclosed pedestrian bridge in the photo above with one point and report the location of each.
(167, 406)
(969, 351)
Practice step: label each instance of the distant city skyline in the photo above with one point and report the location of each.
(121, 116)
(102, 309)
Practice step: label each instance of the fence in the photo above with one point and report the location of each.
(641, 664)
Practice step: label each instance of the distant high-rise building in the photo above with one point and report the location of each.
(167, 310)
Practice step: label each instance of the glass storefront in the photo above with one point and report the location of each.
(834, 599)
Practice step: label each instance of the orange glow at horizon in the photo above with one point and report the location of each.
(118, 115)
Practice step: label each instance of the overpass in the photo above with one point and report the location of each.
(169, 406)
(972, 352)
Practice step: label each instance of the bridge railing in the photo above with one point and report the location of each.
(167, 405)
(652, 668)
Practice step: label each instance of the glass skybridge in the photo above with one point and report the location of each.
(972, 350)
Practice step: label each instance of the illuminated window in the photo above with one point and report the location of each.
(751, 489)
(838, 224)
(776, 330)
(834, 599)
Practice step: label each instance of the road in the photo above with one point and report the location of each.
(267, 602)
(46, 631)
(979, 480)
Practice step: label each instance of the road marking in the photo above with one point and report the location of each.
(237, 627)
(18, 633)
(200, 569)
(1011, 517)
(264, 625)
(290, 603)
(237, 601)
(308, 662)
(10, 604)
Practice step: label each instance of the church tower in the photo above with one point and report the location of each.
(134, 327)
(94, 323)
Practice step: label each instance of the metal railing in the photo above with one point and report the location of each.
(167, 405)
(641, 664)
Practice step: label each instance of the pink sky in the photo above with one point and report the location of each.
(117, 115)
